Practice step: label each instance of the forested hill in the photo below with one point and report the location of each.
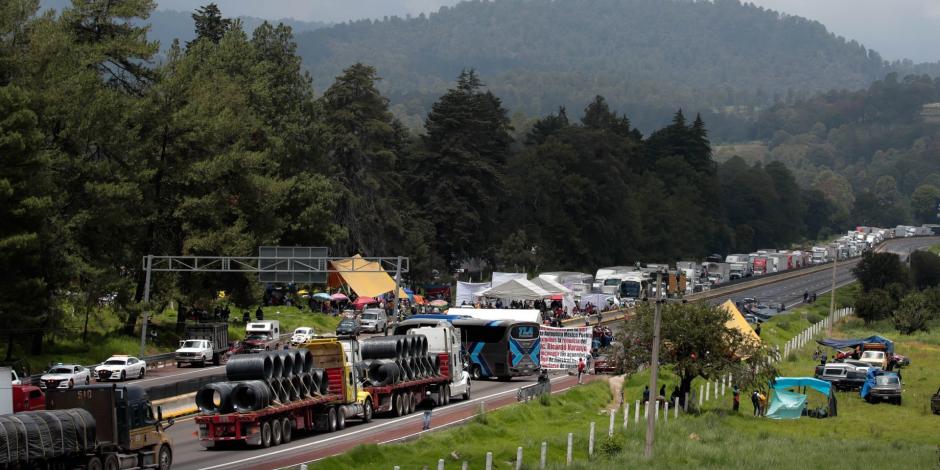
(648, 57)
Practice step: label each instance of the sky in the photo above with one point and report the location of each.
(897, 29)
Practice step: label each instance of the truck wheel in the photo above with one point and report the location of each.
(367, 412)
(111, 462)
(340, 419)
(266, 434)
(475, 373)
(179, 365)
(164, 458)
(216, 359)
(397, 405)
(331, 420)
(276, 433)
(466, 395)
(94, 463)
(446, 395)
(410, 399)
(286, 431)
(898, 402)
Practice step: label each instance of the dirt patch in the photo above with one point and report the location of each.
(616, 384)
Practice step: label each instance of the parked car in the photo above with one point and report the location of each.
(120, 367)
(935, 403)
(64, 376)
(887, 388)
(374, 320)
(349, 327)
(28, 398)
(301, 335)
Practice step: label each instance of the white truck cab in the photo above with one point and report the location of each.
(444, 338)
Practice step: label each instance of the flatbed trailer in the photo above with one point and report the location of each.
(277, 424)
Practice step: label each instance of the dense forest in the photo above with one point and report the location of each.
(724, 59)
(108, 156)
(873, 152)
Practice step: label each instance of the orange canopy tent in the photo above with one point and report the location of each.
(738, 322)
(364, 277)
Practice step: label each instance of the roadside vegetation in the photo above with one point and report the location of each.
(863, 433)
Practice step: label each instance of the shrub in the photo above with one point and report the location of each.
(611, 446)
(913, 314)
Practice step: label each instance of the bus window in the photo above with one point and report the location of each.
(484, 334)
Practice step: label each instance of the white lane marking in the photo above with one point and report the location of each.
(413, 417)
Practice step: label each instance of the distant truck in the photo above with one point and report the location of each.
(206, 342)
(263, 336)
(28, 398)
(90, 427)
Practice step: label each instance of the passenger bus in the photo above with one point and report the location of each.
(492, 348)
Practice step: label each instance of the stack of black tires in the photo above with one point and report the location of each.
(388, 360)
(257, 381)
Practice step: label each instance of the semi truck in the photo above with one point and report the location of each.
(346, 397)
(91, 427)
(206, 342)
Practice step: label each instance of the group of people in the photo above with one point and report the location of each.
(220, 314)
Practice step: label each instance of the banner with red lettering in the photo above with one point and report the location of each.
(562, 347)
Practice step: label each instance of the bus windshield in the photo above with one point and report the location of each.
(630, 289)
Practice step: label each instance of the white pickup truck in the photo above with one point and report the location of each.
(194, 351)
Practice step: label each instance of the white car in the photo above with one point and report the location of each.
(121, 368)
(64, 376)
(302, 335)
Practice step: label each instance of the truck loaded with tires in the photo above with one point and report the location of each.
(89, 426)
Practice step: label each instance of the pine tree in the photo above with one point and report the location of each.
(210, 26)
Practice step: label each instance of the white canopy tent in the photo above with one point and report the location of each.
(502, 278)
(515, 289)
(554, 288)
(468, 291)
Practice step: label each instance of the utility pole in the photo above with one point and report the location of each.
(654, 367)
(832, 293)
(143, 327)
(397, 288)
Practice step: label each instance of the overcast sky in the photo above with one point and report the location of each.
(895, 28)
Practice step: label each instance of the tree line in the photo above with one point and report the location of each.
(108, 156)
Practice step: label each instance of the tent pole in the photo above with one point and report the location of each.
(397, 286)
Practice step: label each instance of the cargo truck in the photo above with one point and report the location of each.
(206, 342)
(345, 397)
(88, 426)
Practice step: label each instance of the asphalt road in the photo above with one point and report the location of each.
(790, 292)
(189, 455)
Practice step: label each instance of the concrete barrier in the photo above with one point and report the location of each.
(174, 407)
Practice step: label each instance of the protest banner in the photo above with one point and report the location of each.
(562, 347)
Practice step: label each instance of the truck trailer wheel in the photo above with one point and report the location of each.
(164, 458)
(466, 395)
(94, 463)
(397, 405)
(331, 420)
(367, 412)
(276, 433)
(286, 431)
(111, 462)
(446, 395)
(266, 434)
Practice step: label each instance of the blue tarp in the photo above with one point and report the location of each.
(851, 343)
(785, 404)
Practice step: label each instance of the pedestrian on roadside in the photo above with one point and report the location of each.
(736, 399)
(762, 399)
(581, 366)
(646, 393)
(755, 400)
(427, 420)
(259, 314)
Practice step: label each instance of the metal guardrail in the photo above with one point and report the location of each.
(531, 391)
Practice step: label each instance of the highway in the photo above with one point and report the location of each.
(189, 455)
(790, 291)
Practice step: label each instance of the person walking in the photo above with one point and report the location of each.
(427, 420)
(755, 400)
(580, 369)
(763, 403)
(646, 393)
(736, 398)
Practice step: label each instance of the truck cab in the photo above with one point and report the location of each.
(126, 427)
(194, 352)
(28, 398)
(263, 335)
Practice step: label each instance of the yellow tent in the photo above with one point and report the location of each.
(738, 322)
(365, 278)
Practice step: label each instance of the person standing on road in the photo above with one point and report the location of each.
(580, 368)
(427, 420)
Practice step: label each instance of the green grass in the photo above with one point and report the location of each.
(862, 436)
(935, 249)
(105, 335)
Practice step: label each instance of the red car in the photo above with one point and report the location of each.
(28, 398)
